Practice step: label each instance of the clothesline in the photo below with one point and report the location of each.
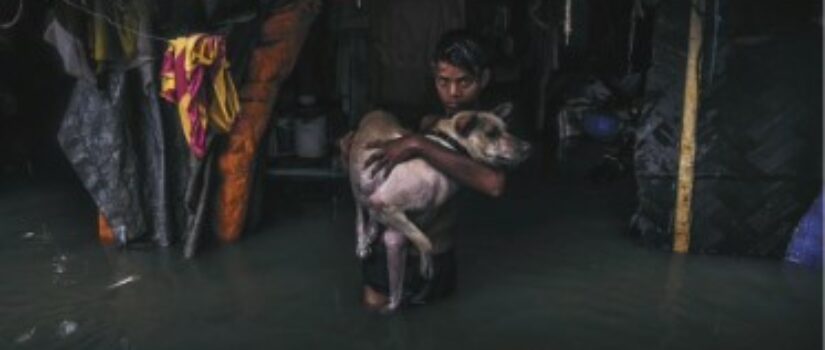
(115, 23)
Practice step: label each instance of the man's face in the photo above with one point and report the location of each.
(456, 87)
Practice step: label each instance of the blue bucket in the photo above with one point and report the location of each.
(805, 247)
(601, 126)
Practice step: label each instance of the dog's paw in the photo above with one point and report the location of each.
(390, 308)
(363, 251)
(426, 266)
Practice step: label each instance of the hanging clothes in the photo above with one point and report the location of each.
(186, 64)
(63, 32)
(112, 132)
(109, 45)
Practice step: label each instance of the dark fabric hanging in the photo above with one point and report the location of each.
(114, 135)
(759, 156)
(94, 122)
(126, 146)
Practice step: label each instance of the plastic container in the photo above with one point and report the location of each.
(311, 136)
(805, 247)
(601, 126)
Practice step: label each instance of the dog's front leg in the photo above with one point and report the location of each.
(395, 242)
(367, 230)
(362, 244)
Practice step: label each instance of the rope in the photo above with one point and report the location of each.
(114, 23)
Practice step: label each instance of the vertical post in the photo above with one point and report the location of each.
(687, 146)
(568, 21)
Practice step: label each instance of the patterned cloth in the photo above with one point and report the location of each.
(186, 64)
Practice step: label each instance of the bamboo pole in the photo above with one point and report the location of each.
(687, 147)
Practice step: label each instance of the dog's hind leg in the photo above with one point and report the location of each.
(394, 241)
(371, 229)
(396, 219)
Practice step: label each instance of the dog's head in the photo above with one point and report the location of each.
(484, 136)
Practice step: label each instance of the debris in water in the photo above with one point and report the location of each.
(124, 344)
(124, 281)
(59, 264)
(26, 336)
(28, 235)
(66, 328)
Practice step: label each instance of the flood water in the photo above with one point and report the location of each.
(546, 267)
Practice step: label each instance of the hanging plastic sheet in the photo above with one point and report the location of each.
(94, 137)
(113, 133)
(64, 33)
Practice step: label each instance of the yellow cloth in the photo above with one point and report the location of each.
(188, 62)
(108, 43)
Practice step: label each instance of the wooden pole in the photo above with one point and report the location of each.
(687, 148)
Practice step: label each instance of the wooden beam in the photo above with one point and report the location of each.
(687, 146)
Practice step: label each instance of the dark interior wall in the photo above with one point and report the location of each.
(759, 155)
(399, 70)
(31, 73)
(601, 30)
(760, 161)
(402, 36)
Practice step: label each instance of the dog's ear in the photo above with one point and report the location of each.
(503, 111)
(464, 124)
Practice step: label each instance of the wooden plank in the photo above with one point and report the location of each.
(687, 147)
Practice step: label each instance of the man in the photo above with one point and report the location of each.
(461, 72)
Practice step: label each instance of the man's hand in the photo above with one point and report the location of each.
(390, 153)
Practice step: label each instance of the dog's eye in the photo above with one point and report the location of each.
(494, 134)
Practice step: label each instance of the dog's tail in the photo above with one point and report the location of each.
(344, 145)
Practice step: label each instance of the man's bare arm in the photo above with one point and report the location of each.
(466, 171)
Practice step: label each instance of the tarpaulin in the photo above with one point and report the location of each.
(113, 135)
(282, 36)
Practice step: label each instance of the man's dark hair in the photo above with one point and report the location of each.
(462, 49)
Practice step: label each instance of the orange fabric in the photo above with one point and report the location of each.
(283, 34)
(104, 231)
(255, 91)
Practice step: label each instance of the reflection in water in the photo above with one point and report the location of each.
(124, 281)
(25, 336)
(557, 279)
(670, 308)
(66, 328)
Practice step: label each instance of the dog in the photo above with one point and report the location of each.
(413, 191)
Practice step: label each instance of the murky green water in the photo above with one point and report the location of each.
(542, 269)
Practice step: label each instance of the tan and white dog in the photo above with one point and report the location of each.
(408, 197)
